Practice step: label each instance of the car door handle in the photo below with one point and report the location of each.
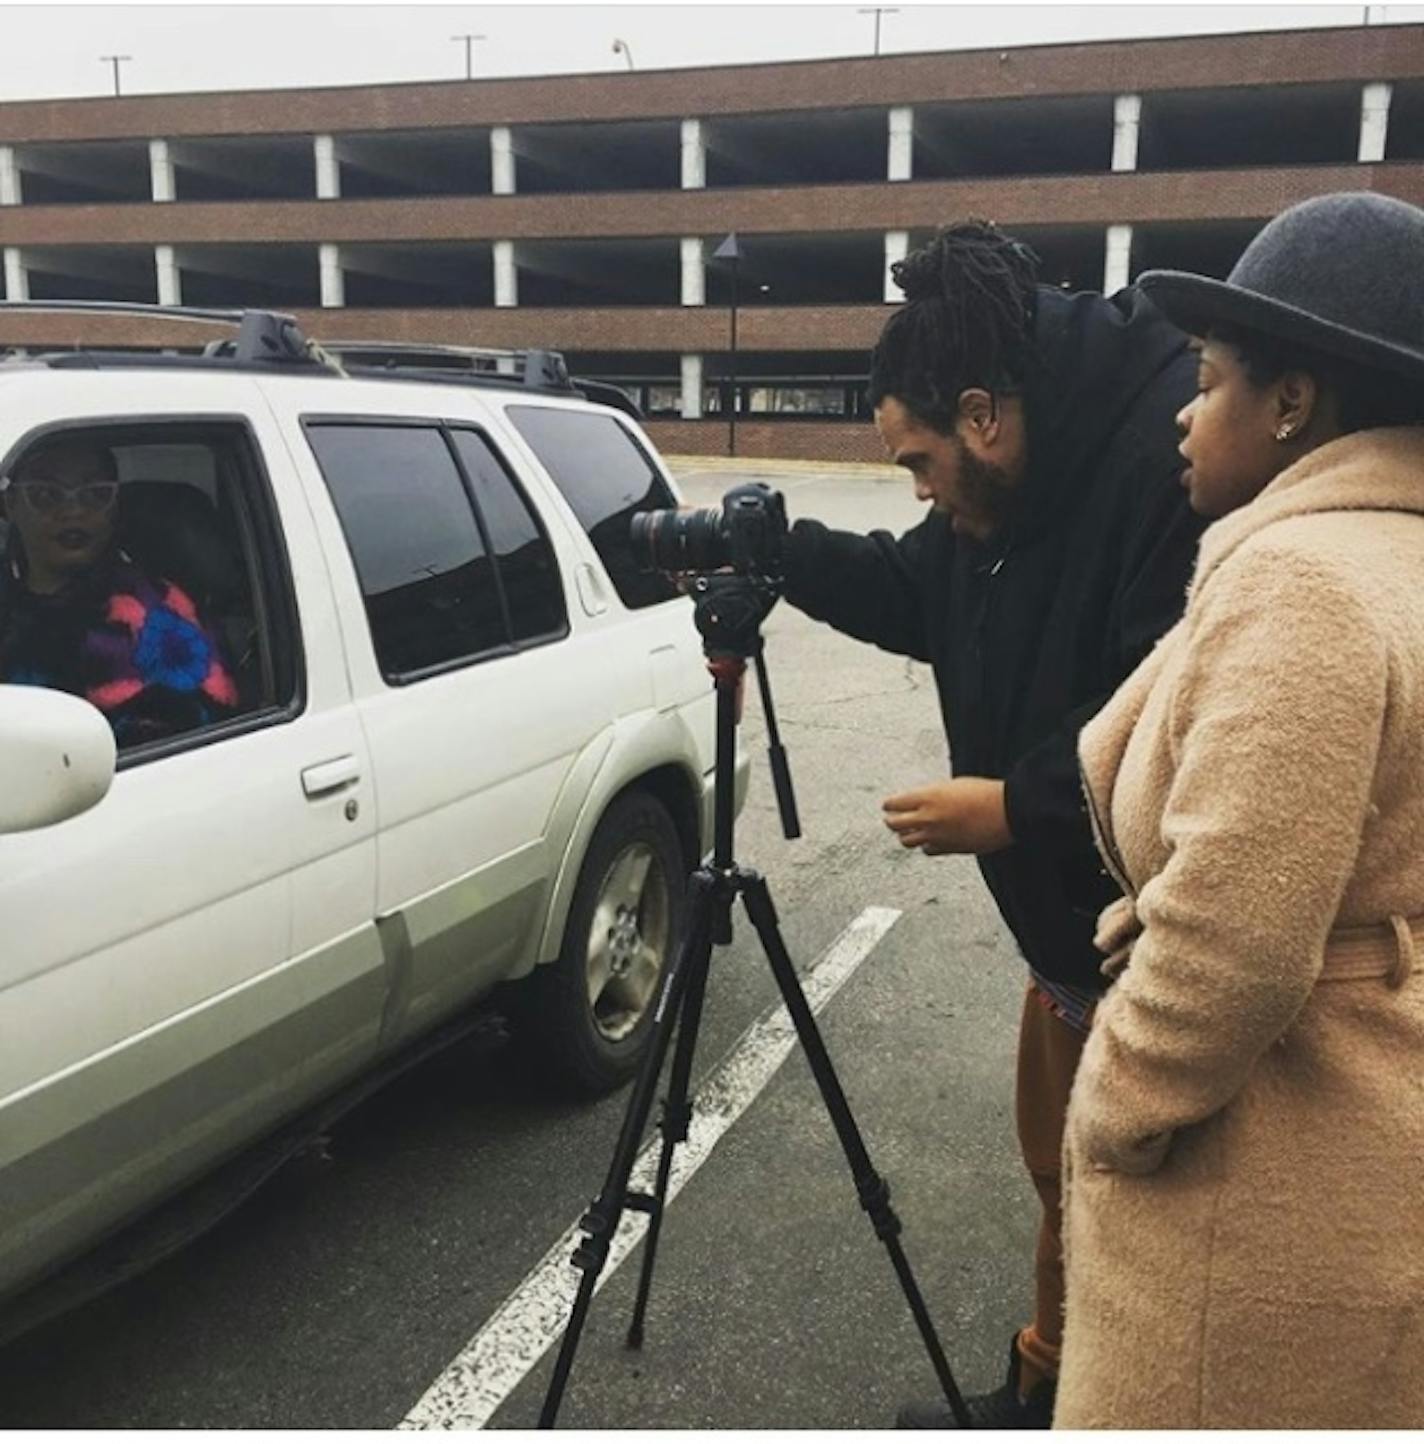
(326, 777)
(590, 591)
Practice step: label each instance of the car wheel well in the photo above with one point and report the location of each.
(673, 788)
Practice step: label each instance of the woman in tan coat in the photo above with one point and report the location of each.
(1245, 1141)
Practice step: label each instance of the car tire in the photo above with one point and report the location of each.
(590, 1013)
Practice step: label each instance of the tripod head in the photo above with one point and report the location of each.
(729, 610)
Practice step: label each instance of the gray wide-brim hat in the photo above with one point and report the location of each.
(1341, 275)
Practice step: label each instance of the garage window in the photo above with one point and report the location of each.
(606, 477)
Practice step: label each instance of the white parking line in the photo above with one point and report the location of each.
(491, 1365)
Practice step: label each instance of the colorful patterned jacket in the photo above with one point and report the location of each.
(131, 644)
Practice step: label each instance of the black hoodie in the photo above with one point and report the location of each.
(1030, 633)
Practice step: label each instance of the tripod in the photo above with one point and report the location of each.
(729, 613)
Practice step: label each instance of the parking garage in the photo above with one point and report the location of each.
(587, 214)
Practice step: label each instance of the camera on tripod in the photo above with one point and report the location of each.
(734, 554)
(747, 533)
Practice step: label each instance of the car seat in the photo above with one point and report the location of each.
(174, 531)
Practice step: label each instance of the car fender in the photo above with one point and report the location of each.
(638, 745)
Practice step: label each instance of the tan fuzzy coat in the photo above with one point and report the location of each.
(1245, 1146)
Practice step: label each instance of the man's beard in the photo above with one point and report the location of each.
(986, 494)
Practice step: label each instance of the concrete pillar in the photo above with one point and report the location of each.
(694, 272)
(1117, 269)
(170, 280)
(9, 177)
(694, 156)
(897, 247)
(328, 168)
(1374, 119)
(692, 388)
(160, 170)
(502, 161)
(900, 160)
(1127, 122)
(17, 277)
(333, 277)
(506, 278)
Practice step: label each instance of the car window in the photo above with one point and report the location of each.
(142, 572)
(430, 591)
(525, 561)
(606, 478)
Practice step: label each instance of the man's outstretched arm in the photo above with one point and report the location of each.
(865, 586)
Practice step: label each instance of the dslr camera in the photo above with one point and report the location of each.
(746, 533)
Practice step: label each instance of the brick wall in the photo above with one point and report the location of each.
(783, 440)
(1099, 200)
(1273, 58)
(633, 328)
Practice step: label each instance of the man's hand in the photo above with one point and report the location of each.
(965, 814)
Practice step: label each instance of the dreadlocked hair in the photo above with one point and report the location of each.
(966, 322)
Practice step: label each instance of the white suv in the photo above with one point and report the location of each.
(462, 739)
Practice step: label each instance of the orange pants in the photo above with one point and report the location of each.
(1048, 1058)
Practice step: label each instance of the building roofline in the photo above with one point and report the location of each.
(631, 81)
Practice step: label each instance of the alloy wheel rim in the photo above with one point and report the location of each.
(627, 941)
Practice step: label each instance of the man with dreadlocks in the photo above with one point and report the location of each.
(1040, 427)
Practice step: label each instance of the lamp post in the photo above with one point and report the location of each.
(731, 252)
(878, 11)
(621, 47)
(469, 52)
(116, 61)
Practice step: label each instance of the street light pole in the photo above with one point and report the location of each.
(115, 61)
(878, 11)
(731, 252)
(469, 52)
(621, 47)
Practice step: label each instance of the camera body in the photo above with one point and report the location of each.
(746, 533)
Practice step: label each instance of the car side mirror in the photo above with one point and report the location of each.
(57, 757)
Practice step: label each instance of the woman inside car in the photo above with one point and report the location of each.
(1245, 1140)
(80, 615)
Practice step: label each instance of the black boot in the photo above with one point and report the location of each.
(1003, 1409)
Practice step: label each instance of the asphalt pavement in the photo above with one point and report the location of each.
(340, 1293)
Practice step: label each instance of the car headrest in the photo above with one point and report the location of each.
(173, 530)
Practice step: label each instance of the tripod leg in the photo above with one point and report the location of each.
(600, 1223)
(873, 1191)
(677, 1113)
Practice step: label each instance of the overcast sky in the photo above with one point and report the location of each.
(55, 50)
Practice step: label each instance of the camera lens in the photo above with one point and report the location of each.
(680, 541)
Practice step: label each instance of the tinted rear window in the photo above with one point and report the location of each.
(606, 477)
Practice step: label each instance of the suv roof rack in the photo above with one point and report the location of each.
(265, 338)
(535, 367)
(262, 336)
